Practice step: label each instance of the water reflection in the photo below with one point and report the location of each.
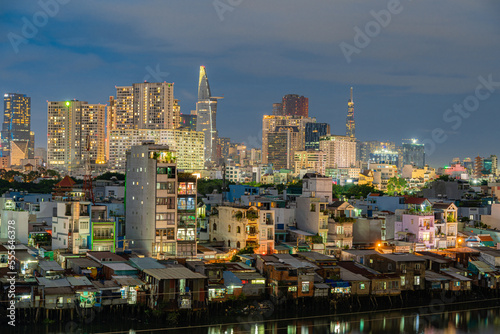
(450, 322)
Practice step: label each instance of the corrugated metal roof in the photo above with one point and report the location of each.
(53, 283)
(456, 275)
(347, 275)
(173, 273)
(84, 262)
(433, 276)
(79, 281)
(142, 263)
(127, 280)
(481, 266)
(59, 291)
(50, 265)
(119, 267)
(403, 257)
(25, 256)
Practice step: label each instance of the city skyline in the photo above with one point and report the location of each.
(405, 79)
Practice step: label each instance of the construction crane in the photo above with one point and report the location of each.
(87, 179)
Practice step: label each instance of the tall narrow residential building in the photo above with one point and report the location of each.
(161, 204)
(16, 123)
(206, 111)
(72, 127)
(350, 126)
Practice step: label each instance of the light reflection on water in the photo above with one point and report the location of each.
(482, 321)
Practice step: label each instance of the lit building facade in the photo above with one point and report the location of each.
(75, 131)
(161, 204)
(313, 132)
(414, 154)
(350, 124)
(188, 145)
(340, 151)
(206, 119)
(311, 161)
(384, 156)
(243, 226)
(16, 124)
(282, 144)
(270, 123)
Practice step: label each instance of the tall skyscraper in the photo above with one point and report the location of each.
(283, 143)
(292, 105)
(313, 132)
(16, 123)
(270, 123)
(350, 126)
(72, 127)
(413, 153)
(206, 111)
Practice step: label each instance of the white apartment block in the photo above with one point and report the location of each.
(311, 161)
(340, 151)
(188, 147)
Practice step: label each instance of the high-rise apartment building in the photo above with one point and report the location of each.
(224, 143)
(188, 147)
(283, 142)
(271, 122)
(75, 132)
(413, 153)
(364, 149)
(311, 161)
(295, 105)
(312, 134)
(350, 125)
(154, 105)
(384, 156)
(340, 151)
(161, 204)
(206, 111)
(16, 124)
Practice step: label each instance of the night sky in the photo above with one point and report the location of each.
(418, 62)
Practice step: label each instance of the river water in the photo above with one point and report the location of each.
(481, 319)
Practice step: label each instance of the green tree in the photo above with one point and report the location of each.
(396, 185)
